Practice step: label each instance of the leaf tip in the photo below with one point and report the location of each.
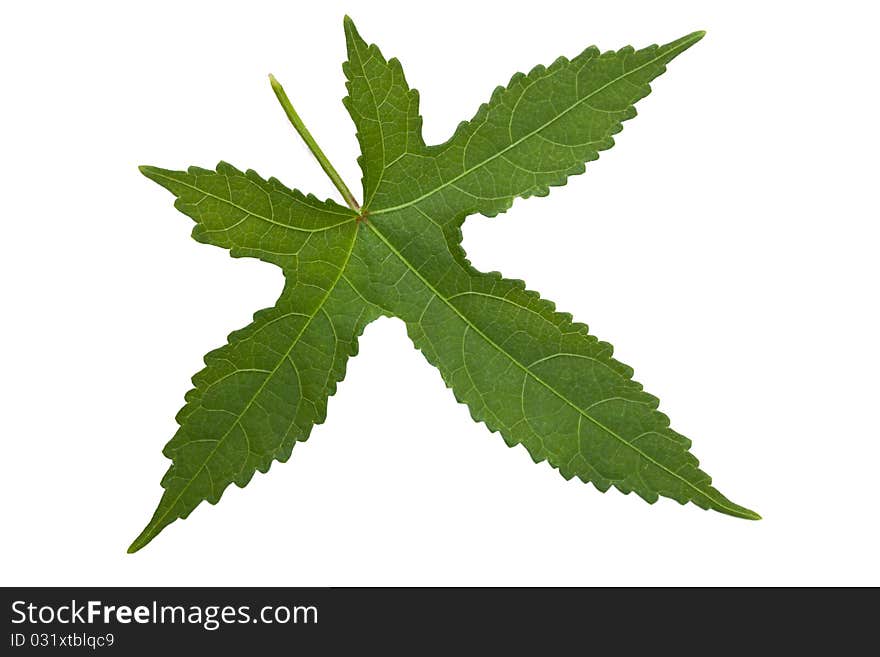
(136, 545)
(142, 540)
(738, 511)
(675, 48)
(351, 32)
(155, 174)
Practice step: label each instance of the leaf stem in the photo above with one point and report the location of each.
(303, 131)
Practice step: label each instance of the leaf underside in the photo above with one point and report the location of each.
(524, 369)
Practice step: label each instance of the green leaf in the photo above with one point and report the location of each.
(526, 370)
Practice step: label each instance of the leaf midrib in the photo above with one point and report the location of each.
(732, 510)
(248, 213)
(383, 168)
(683, 45)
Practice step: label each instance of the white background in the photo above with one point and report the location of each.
(727, 246)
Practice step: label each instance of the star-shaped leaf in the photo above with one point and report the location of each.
(526, 370)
